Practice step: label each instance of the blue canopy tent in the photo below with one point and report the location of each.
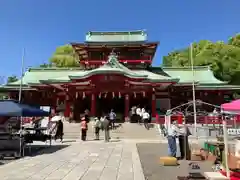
(13, 108)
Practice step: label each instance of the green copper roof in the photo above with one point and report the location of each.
(34, 75)
(112, 66)
(202, 75)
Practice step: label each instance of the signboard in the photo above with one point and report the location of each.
(45, 108)
(194, 168)
(233, 131)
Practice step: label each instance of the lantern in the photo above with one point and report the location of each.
(105, 95)
(219, 93)
(134, 95)
(84, 96)
(119, 95)
(144, 94)
(205, 93)
(113, 94)
(76, 95)
(100, 95)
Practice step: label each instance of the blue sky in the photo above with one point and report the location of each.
(40, 26)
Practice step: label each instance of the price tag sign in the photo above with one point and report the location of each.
(233, 131)
(194, 168)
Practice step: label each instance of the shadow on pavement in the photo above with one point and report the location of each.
(35, 150)
(68, 141)
(150, 153)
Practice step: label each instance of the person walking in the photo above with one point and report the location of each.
(59, 132)
(139, 114)
(106, 124)
(97, 127)
(145, 117)
(112, 118)
(84, 128)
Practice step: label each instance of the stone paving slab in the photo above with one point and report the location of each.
(90, 160)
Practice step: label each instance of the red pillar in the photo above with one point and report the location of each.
(153, 105)
(127, 108)
(67, 107)
(93, 104)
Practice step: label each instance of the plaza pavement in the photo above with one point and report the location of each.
(89, 160)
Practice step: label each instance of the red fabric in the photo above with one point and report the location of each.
(233, 175)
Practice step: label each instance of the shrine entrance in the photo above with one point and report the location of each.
(143, 102)
(105, 104)
(80, 105)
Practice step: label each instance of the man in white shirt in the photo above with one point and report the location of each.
(145, 117)
(139, 114)
(172, 132)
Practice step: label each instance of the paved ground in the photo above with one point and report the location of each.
(150, 153)
(81, 160)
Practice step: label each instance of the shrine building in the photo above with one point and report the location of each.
(115, 72)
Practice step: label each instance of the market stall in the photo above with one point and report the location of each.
(12, 143)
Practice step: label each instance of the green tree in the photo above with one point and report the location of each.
(224, 59)
(235, 40)
(64, 56)
(11, 79)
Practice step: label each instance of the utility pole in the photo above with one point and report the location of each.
(19, 100)
(193, 91)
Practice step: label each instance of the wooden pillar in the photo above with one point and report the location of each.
(67, 107)
(127, 108)
(93, 104)
(153, 105)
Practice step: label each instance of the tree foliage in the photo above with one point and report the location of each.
(64, 56)
(11, 79)
(223, 58)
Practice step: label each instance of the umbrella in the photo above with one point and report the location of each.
(13, 108)
(232, 106)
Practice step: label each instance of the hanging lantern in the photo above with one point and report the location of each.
(144, 94)
(84, 96)
(134, 95)
(100, 95)
(105, 95)
(119, 95)
(113, 94)
(205, 93)
(76, 95)
(219, 93)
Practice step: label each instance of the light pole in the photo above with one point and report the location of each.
(193, 91)
(19, 100)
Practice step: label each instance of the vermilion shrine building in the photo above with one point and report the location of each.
(116, 72)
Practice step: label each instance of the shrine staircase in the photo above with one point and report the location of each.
(124, 131)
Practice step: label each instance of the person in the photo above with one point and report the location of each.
(172, 133)
(145, 117)
(59, 132)
(183, 142)
(84, 128)
(97, 127)
(112, 118)
(105, 125)
(139, 114)
(86, 115)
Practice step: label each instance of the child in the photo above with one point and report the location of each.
(84, 128)
(97, 127)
